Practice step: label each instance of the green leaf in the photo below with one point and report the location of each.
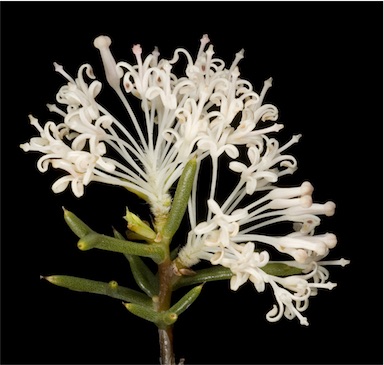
(184, 303)
(280, 269)
(213, 273)
(107, 243)
(161, 319)
(143, 276)
(111, 289)
(78, 227)
(180, 200)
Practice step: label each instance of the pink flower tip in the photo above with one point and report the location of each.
(136, 49)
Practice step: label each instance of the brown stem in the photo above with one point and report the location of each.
(166, 274)
(165, 277)
(166, 346)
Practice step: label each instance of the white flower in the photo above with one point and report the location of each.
(208, 112)
(244, 262)
(227, 224)
(307, 249)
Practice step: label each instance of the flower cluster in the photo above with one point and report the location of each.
(207, 112)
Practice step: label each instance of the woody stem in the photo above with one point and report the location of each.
(166, 334)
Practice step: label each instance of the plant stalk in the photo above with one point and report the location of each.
(166, 274)
(166, 346)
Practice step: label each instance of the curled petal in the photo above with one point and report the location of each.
(237, 166)
(266, 112)
(94, 89)
(217, 257)
(275, 313)
(237, 280)
(205, 227)
(231, 151)
(77, 187)
(61, 184)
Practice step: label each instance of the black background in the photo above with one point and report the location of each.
(326, 62)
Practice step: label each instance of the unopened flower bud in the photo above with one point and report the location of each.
(138, 226)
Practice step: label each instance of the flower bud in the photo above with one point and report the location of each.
(138, 226)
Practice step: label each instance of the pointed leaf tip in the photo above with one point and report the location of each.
(78, 227)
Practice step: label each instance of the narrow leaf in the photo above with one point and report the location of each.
(107, 243)
(143, 276)
(180, 200)
(143, 312)
(280, 269)
(223, 273)
(213, 273)
(184, 303)
(161, 319)
(78, 227)
(111, 289)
